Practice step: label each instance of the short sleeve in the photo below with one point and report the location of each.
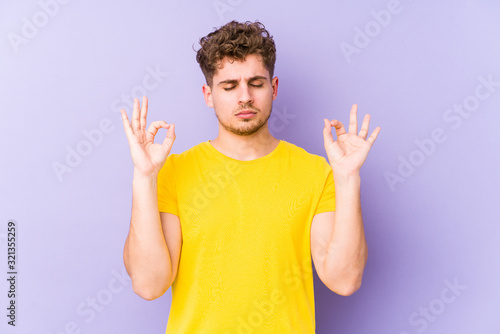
(327, 199)
(167, 188)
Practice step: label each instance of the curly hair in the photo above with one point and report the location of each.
(235, 40)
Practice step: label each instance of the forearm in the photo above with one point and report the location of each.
(346, 249)
(145, 254)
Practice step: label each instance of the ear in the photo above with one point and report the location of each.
(207, 93)
(274, 84)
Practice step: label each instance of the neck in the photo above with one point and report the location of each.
(245, 148)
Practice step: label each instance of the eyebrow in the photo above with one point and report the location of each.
(257, 77)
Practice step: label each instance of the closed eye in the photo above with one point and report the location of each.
(230, 88)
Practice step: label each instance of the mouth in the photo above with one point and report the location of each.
(245, 114)
(246, 111)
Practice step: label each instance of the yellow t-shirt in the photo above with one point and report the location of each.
(245, 263)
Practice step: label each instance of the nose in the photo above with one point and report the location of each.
(245, 95)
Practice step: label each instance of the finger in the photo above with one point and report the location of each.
(169, 138)
(144, 113)
(374, 135)
(339, 128)
(353, 120)
(153, 129)
(136, 123)
(327, 132)
(364, 127)
(126, 124)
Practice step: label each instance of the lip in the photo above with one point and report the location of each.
(245, 114)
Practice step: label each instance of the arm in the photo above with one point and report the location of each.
(340, 257)
(148, 251)
(338, 242)
(152, 248)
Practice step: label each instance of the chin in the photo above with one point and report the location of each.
(244, 130)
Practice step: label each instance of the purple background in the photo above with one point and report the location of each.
(437, 225)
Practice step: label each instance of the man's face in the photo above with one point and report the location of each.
(241, 95)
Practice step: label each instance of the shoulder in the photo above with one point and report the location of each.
(188, 155)
(185, 161)
(297, 152)
(307, 167)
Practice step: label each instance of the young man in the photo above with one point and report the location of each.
(231, 224)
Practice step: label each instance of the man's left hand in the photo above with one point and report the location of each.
(348, 153)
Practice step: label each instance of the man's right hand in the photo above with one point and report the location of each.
(148, 156)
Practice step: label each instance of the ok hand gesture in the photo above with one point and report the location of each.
(148, 156)
(349, 152)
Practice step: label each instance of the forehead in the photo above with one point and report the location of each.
(229, 69)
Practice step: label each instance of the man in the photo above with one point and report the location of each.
(231, 224)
